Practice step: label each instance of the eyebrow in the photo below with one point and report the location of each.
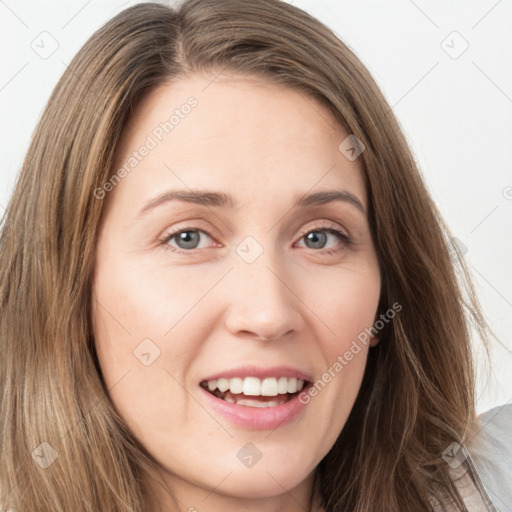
(222, 200)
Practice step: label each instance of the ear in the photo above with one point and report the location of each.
(374, 340)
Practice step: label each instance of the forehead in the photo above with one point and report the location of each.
(242, 133)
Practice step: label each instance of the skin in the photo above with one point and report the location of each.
(207, 309)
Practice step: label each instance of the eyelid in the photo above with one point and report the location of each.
(324, 225)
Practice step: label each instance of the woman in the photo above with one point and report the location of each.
(225, 286)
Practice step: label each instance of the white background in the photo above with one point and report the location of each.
(455, 112)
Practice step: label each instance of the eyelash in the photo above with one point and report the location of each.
(330, 228)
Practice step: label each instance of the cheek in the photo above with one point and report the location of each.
(346, 306)
(142, 347)
(346, 303)
(134, 301)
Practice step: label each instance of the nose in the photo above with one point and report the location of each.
(262, 301)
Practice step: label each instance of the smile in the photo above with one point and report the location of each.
(255, 392)
(254, 402)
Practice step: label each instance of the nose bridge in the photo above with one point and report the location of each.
(261, 301)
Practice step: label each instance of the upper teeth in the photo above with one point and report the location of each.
(256, 387)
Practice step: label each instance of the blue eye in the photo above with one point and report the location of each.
(319, 237)
(188, 239)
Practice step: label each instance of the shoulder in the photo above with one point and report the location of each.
(490, 450)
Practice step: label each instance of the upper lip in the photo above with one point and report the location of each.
(261, 373)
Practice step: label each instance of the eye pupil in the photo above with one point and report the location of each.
(318, 239)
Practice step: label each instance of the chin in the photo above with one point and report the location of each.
(266, 478)
(251, 485)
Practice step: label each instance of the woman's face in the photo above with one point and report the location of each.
(241, 274)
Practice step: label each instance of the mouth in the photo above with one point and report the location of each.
(255, 392)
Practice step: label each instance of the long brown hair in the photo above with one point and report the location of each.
(417, 395)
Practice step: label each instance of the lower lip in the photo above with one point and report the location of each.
(256, 418)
